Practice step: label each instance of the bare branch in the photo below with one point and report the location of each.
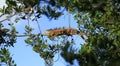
(7, 18)
(58, 32)
(31, 35)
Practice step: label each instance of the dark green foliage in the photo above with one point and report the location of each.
(69, 56)
(98, 19)
(5, 58)
(46, 51)
(7, 37)
(98, 22)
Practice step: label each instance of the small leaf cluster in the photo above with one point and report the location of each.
(5, 58)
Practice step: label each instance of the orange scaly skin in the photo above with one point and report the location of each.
(63, 31)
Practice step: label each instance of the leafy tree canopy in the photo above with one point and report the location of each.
(99, 20)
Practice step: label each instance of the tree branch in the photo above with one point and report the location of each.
(23, 35)
(7, 18)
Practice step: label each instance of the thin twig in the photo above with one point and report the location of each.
(7, 18)
(69, 18)
(23, 35)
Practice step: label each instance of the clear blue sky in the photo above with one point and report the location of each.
(24, 55)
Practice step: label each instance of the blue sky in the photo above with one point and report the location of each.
(24, 55)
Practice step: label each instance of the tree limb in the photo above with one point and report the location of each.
(7, 18)
(23, 35)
